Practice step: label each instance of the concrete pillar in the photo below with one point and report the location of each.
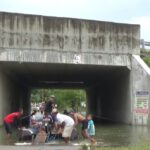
(140, 91)
(5, 96)
(91, 101)
(25, 103)
(12, 96)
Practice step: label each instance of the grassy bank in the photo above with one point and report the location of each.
(126, 148)
(145, 146)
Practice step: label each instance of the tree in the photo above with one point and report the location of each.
(65, 99)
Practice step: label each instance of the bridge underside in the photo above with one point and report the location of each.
(107, 87)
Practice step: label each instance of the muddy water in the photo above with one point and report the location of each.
(121, 135)
(108, 135)
(4, 140)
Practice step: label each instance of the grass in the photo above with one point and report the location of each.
(147, 60)
(142, 147)
(138, 147)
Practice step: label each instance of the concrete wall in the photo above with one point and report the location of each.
(7, 96)
(116, 104)
(110, 100)
(12, 96)
(140, 82)
(38, 38)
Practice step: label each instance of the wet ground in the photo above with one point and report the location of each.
(121, 135)
(107, 135)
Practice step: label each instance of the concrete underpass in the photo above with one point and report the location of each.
(107, 87)
(51, 52)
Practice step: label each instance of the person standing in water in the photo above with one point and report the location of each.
(12, 120)
(65, 122)
(91, 126)
(78, 118)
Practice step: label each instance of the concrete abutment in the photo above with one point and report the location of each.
(12, 96)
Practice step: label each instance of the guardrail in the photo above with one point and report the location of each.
(144, 43)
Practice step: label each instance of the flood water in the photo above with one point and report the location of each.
(107, 135)
(121, 135)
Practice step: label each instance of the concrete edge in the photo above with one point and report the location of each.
(142, 63)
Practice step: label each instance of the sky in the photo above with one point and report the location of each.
(124, 11)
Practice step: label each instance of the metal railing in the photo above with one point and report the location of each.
(144, 43)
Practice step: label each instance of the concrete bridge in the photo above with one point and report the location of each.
(100, 57)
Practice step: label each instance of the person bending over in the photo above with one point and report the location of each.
(78, 118)
(65, 122)
(12, 120)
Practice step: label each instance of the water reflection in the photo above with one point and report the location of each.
(4, 140)
(122, 135)
(107, 135)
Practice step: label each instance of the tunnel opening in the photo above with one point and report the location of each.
(66, 99)
(107, 87)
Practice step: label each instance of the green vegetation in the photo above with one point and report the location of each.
(142, 147)
(146, 56)
(145, 146)
(66, 99)
(147, 60)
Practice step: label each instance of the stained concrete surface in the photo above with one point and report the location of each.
(33, 32)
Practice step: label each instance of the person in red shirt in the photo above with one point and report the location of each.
(10, 121)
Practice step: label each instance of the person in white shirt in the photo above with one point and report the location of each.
(65, 122)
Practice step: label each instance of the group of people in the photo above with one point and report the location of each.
(62, 122)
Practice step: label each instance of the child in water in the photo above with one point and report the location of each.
(91, 126)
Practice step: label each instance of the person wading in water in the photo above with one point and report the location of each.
(12, 120)
(78, 118)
